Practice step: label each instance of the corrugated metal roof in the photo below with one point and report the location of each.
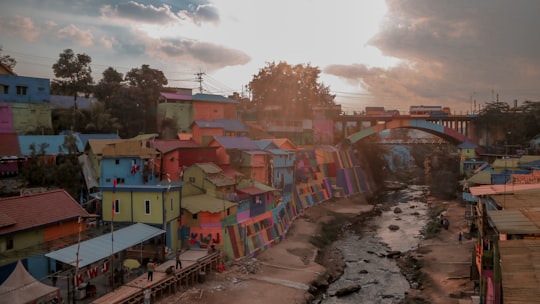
(265, 144)
(145, 136)
(55, 144)
(167, 145)
(205, 203)
(279, 152)
(128, 148)
(236, 142)
(499, 189)
(252, 190)
(209, 168)
(85, 137)
(220, 180)
(99, 248)
(203, 124)
(481, 178)
(232, 125)
(212, 98)
(503, 163)
(520, 271)
(513, 222)
(176, 96)
(97, 145)
(467, 145)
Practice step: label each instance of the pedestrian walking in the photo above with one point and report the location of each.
(150, 267)
(178, 261)
(460, 237)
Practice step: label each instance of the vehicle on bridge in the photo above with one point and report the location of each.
(429, 111)
(380, 112)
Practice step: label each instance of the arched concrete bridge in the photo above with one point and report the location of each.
(454, 129)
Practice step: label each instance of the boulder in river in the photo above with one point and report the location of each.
(393, 227)
(348, 290)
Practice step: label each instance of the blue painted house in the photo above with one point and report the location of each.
(130, 162)
(281, 165)
(24, 104)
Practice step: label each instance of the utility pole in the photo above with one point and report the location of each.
(200, 80)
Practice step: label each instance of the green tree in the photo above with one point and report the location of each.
(98, 119)
(74, 77)
(295, 89)
(145, 85)
(7, 60)
(67, 173)
(37, 172)
(108, 86)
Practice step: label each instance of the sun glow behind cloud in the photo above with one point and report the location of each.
(298, 32)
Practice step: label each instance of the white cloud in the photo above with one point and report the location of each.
(83, 38)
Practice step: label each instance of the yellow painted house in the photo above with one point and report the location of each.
(157, 205)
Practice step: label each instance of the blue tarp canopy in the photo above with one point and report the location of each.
(103, 246)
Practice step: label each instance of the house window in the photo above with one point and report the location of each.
(4, 89)
(172, 207)
(258, 200)
(117, 161)
(147, 207)
(116, 206)
(195, 216)
(21, 90)
(9, 244)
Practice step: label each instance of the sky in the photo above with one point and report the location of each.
(394, 53)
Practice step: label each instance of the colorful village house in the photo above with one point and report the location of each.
(204, 130)
(156, 205)
(285, 144)
(229, 150)
(24, 103)
(207, 186)
(176, 155)
(281, 165)
(129, 162)
(94, 150)
(254, 227)
(468, 153)
(183, 108)
(507, 242)
(32, 225)
(255, 165)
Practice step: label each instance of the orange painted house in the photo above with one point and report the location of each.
(34, 224)
(204, 131)
(210, 107)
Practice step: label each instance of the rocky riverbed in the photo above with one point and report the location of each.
(369, 249)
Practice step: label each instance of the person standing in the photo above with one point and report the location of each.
(147, 295)
(460, 237)
(150, 267)
(178, 261)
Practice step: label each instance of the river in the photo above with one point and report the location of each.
(364, 254)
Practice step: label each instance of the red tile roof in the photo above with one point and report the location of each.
(25, 212)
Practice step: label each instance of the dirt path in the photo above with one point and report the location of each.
(283, 277)
(445, 263)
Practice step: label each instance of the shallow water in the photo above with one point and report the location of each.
(380, 277)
